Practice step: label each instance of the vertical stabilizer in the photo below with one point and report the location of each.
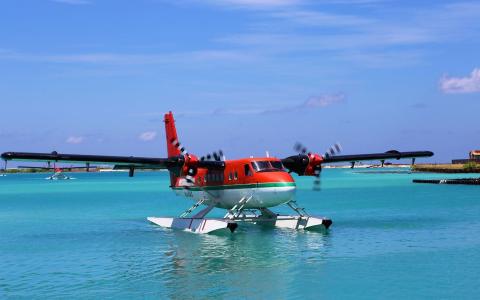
(171, 134)
(172, 139)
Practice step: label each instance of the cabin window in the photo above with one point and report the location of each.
(230, 176)
(235, 175)
(248, 171)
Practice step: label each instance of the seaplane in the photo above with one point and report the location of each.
(59, 175)
(247, 189)
(58, 172)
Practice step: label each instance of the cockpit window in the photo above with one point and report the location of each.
(267, 166)
(277, 165)
(261, 165)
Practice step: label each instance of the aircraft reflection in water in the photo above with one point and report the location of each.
(183, 261)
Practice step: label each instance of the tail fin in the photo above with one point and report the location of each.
(171, 134)
(172, 140)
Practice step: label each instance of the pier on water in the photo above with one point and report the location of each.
(470, 181)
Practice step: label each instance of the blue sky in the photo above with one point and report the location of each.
(96, 76)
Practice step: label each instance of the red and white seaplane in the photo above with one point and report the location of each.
(246, 188)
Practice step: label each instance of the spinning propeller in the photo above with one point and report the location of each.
(308, 163)
(333, 150)
(189, 168)
(192, 163)
(216, 156)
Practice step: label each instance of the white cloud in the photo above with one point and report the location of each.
(379, 39)
(461, 85)
(312, 103)
(315, 102)
(272, 4)
(316, 18)
(72, 2)
(132, 59)
(382, 38)
(353, 2)
(361, 36)
(75, 139)
(323, 101)
(148, 136)
(255, 3)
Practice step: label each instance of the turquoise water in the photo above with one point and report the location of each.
(88, 238)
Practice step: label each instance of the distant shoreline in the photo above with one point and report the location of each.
(365, 166)
(447, 168)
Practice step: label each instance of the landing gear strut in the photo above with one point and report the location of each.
(238, 214)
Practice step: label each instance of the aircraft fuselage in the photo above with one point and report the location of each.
(261, 180)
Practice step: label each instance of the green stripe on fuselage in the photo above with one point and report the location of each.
(239, 186)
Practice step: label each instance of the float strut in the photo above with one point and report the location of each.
(131, 171)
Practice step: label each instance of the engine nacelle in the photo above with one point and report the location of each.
(304, 164)
(314, 165)
(183, 165)
(190, 166)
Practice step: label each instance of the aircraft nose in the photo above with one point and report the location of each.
(274, 188)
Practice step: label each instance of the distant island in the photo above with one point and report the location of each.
(468, 165)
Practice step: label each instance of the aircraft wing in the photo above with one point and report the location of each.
(393, 154)
(126, 162)
(310, 164)
(81, 158)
